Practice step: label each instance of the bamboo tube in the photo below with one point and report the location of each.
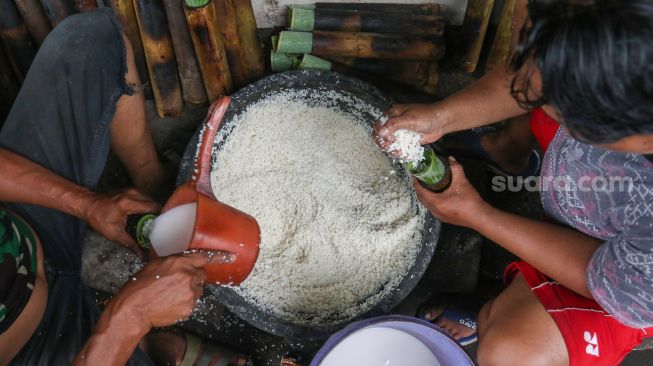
(421, 75)
(503, 38)
(84, 6)
(9, 88)
(433, 75)
(58, 10)
(301, 19)
(417, 9)
(395, 89)
(415, 73)
(306, 20)
(284, 61)
(192, 86)
(312, 62)
(249, 41)
(15, 37)
(294, 42)
(126, 15)
(209, 47)
(160, 56)
(468, 39)
(361, 45)
(35, 19)
(226, 17)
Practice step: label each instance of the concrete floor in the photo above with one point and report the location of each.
(464, 262)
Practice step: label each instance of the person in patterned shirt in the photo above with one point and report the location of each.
(583, 294)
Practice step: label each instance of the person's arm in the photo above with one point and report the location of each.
(24, 181)
(115, 338)
(161, 294)
(27, 182)
(486, 101)
(559, 252)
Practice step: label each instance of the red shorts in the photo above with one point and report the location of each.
(592, 336)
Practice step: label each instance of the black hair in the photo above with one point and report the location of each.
(595, 60)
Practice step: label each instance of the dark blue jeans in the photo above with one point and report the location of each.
(60, 120)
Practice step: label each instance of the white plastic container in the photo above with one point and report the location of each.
(173, 230)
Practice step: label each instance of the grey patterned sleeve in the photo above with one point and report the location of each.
(620, 278)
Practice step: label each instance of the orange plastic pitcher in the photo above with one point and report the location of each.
(218, 227)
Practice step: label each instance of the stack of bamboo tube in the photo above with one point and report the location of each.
(401, 42)
(188, 51)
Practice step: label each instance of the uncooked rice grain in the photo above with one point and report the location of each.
(335, 237)
(407, 144)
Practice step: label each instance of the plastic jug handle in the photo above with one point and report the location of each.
(214, 118)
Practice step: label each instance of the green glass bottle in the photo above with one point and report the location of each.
(433, 172)
(139, 227)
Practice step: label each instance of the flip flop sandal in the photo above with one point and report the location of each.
(469, 142)
(199, 353)
(452, 312)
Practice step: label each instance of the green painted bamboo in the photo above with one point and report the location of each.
(295, 42)
(17, 42)
(301, 19)
(196, 3)
(58, 10)
(35, 19)
(249, 41)
(160, 56)
(126, 15)
(209, 48)
(190, 77)
(226, 17)
(301, 6)
(283, 61)
(312, 62)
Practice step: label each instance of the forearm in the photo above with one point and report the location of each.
(114, 339)
(560, 253)
(486, 101)
(27, 182)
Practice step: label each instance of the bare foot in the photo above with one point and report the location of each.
(456, 329)
(164, 348)
(167, 348)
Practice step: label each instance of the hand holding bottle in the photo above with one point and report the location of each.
(425, 119)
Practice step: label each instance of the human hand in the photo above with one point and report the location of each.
(460, 204)
(107, 214)
(425, 119)
(165, 291)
